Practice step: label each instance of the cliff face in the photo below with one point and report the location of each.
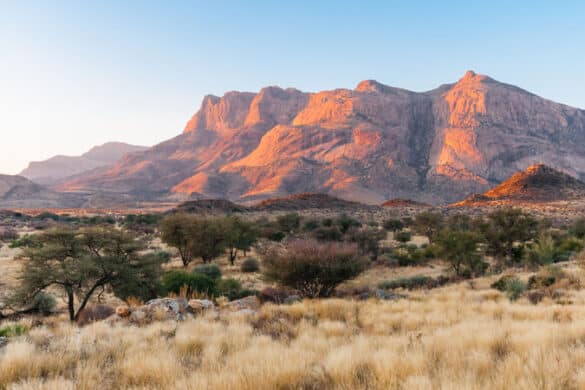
(369, 144)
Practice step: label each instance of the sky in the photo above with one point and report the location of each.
(75, 74)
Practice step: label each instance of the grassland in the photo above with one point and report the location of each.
(453, 337)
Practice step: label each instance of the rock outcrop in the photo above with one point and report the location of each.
(538, 183)
(367, 144)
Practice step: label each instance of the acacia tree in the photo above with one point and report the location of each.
(506, 232)
(239, 235)
(81, 262)
(177, 232)
(460, 249)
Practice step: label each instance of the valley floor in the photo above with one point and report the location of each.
(461, 336)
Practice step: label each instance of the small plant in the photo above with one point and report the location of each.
(211, 270)
(515, 288)
(250, 265)
(13, 330)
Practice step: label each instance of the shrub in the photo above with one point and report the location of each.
(250, 265)
(502, 283)
(276, 236)
(175, 281)
(44, 303)
(211, 270)
(402, 237)
(229, 288)
(311, 267)
(345, 222)
(310, 225)
(367, 240)
(460, 250)
(393, 225)
(515, 288)
(414, 282)
(327, 233)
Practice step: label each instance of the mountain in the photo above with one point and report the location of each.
(367, 144)
(59, 167)
(307, 201)
(17, 191)
(538, 183)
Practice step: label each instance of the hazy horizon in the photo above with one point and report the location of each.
(75, 76)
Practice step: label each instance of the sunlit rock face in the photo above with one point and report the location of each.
(368, 144)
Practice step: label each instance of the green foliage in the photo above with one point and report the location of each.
(428, 224)
(311, 267)
(276, 236)
(311, 224)
(194, 236)
(175, 281)
(83, 262)
(232, 289)
(239, 235)
(393, 225)
(345, 222)
(460, 250)
(403, 236)
(44, 303)
(211, 270)
(577, 229)
(515, 288)
(250, 265)
(506, 231)
(511, 285)
(13, 330)
(26, 241)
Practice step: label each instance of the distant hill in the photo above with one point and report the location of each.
(538, 183)
(209, 206)
(307, 201)
(56, 168)
(17, 191)
(398, 202)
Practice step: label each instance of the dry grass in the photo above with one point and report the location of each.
(448, 338)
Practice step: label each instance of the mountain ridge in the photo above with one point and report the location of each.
(367, 144)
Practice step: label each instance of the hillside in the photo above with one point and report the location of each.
(56, 168)
(17, 191)
(307, 201)
(538, 183)
(367, 144)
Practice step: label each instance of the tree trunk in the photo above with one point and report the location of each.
(70, 303)
(233, 253)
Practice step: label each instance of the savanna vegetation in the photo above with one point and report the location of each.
(437, 300)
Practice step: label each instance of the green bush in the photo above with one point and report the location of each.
(515, 289)
(393, 225)
(44, 303)
(211, 270)
(311, 224)
(402, 237)
(174, 281)
(14, 330)
(229, 288)
(250, 265)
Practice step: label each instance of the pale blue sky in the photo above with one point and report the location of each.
(74, 74)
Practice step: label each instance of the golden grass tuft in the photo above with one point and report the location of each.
(453, 337)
